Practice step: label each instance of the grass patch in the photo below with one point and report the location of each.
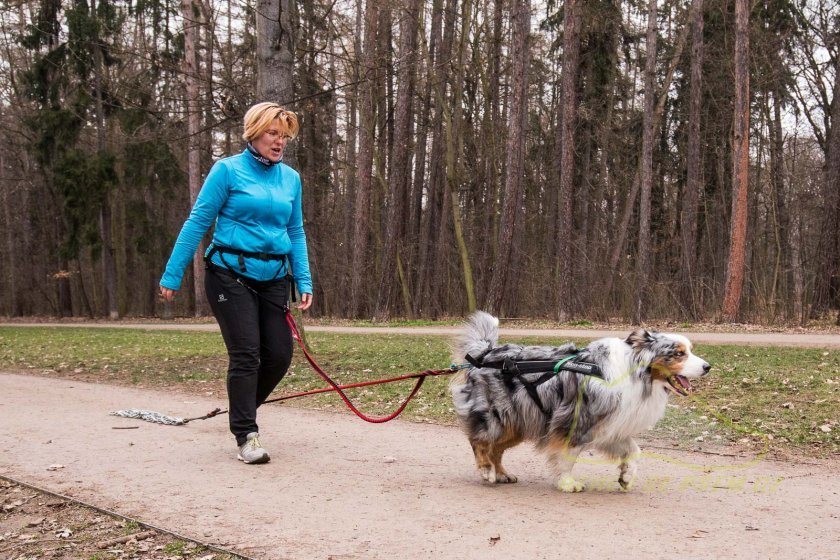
(115, 355)
(177, 548)
(788, 396)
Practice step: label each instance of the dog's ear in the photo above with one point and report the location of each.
(640, 338)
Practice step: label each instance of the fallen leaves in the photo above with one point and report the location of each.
(37, 525)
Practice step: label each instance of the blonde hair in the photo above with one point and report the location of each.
(259, 118)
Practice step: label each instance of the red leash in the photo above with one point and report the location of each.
(421, 377)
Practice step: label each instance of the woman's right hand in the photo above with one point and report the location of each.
(167, 294)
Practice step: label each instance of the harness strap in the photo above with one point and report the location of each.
(531, 388)
(520, 368)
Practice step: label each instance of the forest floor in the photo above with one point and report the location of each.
(75, 481)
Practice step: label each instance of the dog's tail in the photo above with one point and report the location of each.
(480, 334)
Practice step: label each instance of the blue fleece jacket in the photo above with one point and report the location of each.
(257, 209)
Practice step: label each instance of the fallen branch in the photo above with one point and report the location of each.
(120, 540)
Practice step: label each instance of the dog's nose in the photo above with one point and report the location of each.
(706, 368)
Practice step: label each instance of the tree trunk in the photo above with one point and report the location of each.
(740, 166)
(646, 174)
(455, 156)
(434, 239)
(109, 268)
(353, 134)
(565, 160)
(520, 57)
(367, 124)
(795, 243)
(191, 12)
(782, 237)
(400, 160)
(489, 220)
(832, 189)
(276, 39)
(11, 254)
(694, 165)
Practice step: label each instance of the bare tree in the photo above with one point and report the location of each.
(646, 174)
(565, 160)
(191, 14)
(455, 154)
(109, 268)
(400, 161)
(364, 169)
(832, 176)
(521, 18)
(694, 170)
(276, 40)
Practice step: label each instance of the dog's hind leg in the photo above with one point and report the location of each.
(562, 459)
(498, 449)
(627, 466)
(483, 461)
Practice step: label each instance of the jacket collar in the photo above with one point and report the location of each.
(259, 157)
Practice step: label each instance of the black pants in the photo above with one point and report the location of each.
(258, 340)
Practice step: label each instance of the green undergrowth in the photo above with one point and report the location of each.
(786, 398)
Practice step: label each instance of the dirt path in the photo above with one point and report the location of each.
(808, 340)
(343, 489)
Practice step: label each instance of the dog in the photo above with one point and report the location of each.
(569, 412)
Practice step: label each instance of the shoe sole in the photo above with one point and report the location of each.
(264, 459)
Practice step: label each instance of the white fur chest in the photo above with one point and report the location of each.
(636, 411)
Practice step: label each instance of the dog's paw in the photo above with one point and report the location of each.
(493, 476)
(627, 474)
(506, 478)
(488, 474)
(569, 484)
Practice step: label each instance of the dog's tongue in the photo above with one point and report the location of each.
(679, 384)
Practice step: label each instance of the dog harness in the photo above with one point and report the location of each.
(511, 368)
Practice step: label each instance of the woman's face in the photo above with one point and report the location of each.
(272, 142)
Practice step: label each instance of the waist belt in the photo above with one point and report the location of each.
(242, 255)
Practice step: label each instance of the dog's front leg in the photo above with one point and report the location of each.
(627, 467)
(561, 461)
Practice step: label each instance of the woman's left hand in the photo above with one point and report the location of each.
(305, 302)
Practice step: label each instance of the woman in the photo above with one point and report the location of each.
(255, 202)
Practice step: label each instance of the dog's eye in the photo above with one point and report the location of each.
(679, 354)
